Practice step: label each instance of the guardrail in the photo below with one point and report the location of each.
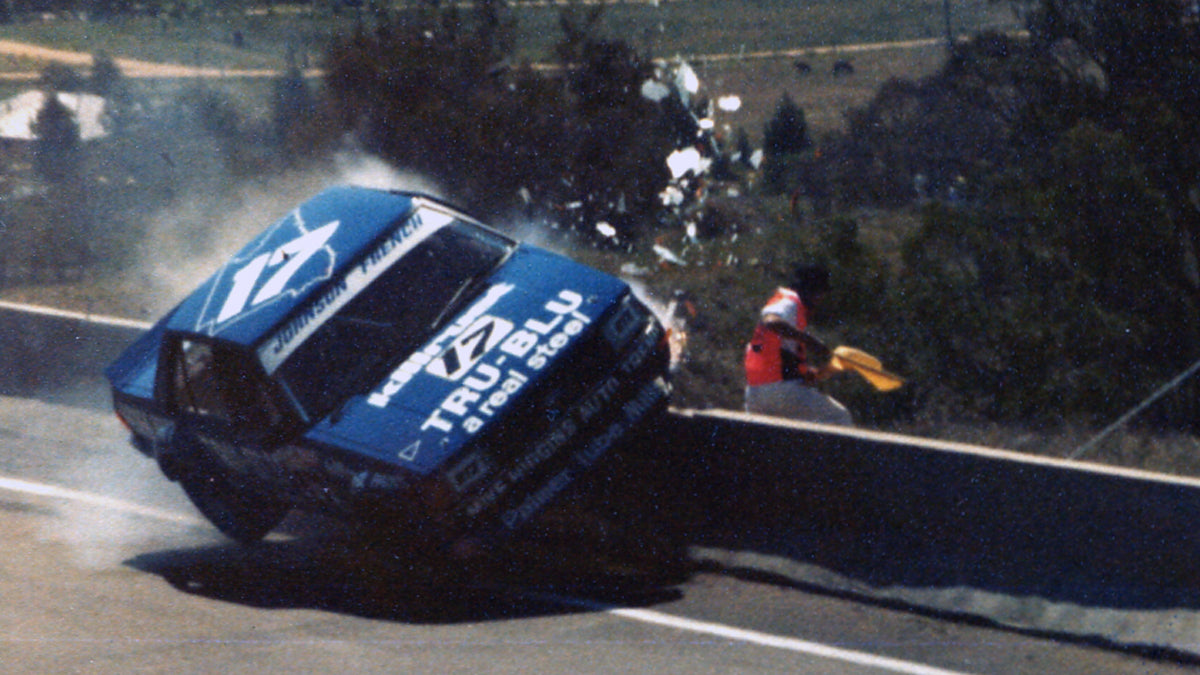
(1045, 544)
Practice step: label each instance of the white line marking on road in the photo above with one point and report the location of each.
(132, 508)
(641, 615)
(75, 316)
(757, 638)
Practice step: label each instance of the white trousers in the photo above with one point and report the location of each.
(795, 400)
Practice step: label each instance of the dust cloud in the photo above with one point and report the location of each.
(105, 502)
(128, 509)
(190, 239)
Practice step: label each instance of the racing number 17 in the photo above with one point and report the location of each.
(291, 255)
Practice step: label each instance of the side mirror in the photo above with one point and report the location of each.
(166, 451)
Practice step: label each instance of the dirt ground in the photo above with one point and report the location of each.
(760, 80)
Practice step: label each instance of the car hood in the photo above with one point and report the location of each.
(527, 321)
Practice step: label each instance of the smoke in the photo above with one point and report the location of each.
(355, 168)
(113, 521)
(653, 301)
(191, 238)
(108, 502)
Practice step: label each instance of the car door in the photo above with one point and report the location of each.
(224, 402)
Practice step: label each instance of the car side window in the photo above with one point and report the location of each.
(217, 383)
(195, 380)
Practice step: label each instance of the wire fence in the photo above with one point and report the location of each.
(1171, 406)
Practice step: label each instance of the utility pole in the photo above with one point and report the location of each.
(949, 32)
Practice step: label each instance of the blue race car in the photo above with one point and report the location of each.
(383, 358)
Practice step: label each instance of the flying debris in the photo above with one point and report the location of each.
(686, 81)
(729, 103)
(630, 269)
(698, 165)
(687, 160)
(667, 256)
(655, 91)
(679, 311)
(672, 196)
(694, 164)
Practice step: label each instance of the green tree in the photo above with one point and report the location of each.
(1075, 254)
(1140, 47)
(1142, 61)
(1066, 295)
(617, 136)
(57, 152)
(997, 102)
(293, 106)
(785, 142)
(105, 9)
(432, 98)
(58, 158)
(106, 79)
(439, 97)
(61, 77)
(787, 132)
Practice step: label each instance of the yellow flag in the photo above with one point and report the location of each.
(869, 367)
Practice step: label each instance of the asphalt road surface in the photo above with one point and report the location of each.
(106, 568)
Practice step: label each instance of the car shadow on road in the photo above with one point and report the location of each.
(333, 573)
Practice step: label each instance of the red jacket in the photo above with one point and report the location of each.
(770, 357)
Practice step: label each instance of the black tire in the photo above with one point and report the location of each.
(238, 507)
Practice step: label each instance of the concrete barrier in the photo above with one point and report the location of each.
(1045, 544)
(1051, 545)
(58, 354)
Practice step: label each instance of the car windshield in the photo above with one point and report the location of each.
(392, 317)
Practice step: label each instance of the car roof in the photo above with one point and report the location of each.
(287, 265)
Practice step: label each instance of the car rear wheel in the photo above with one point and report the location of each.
(238, 508)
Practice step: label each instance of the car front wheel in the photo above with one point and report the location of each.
(238, 508)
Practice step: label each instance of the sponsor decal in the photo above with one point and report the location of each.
(546, 448)
(588, 408)
(538, 500)
(640, 351)
(620, 328)
(410, 452)
(366, 481)
(470, 347)
(632, 412)
(415, 229)
(490, 357)
(499, 360)
(434, 350)
(467, 471)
